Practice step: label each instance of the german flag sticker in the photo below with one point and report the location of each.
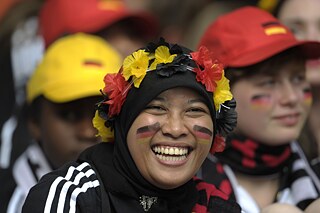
(274, 28)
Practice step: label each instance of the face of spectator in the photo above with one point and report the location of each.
(273, 108)
(303, 18)
(124, 44)
(170, 139)
(124, 37)
(65, 130)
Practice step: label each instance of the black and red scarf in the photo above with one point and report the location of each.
(249, 157)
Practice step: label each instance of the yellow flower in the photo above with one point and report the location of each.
(105, 133)
(162, 55)
(136, 65)
(268, 5)
(222, 92)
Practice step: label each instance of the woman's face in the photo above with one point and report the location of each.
(303, 18)
(171, 137)
(273, 109)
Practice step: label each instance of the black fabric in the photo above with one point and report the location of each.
(315, 163)
(250, 157)
(96, 198)
(125, 195)
(221, 207)
(295, 178)
(118, 195)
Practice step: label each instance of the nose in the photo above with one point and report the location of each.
(85, 130)
(289, 95)
(174, 126)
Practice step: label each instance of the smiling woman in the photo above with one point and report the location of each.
(263, 163)
(163, 112)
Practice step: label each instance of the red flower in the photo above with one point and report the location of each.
(210, 71)
(116, 87)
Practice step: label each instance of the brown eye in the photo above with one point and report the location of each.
(69, 115)
(155, 109)
(298, 79)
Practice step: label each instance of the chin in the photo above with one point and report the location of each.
(284, 139)
(168, 186)
(170, 183)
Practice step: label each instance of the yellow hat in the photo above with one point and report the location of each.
(73, 67)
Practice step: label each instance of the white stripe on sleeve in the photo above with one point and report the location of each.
(55, 183)
(77, 191)
(66, 186)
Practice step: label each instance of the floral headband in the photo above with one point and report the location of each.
(166, 60)
(268, 5)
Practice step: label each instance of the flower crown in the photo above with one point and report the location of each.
(159, 57)
(268, 5)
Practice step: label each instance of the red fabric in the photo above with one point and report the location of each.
(250, 35)
(58, 17)
(211, 191)
(273, 161)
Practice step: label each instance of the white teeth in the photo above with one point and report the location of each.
(166, 151)
(171, 150)
(176, 151)
(171, 158)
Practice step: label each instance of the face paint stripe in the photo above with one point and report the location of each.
(204, 141)
(143, 129)
(307, 96)
(260, 101)
(146, 132)
(144, 135)
(203, 130)
(203, 134)
(143, 140)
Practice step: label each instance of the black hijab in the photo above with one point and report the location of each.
(183, 197)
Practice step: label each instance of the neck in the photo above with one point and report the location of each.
(263, 190)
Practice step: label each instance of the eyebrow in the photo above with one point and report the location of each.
(196, 100)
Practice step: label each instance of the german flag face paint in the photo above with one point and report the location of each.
(307, 96)
(145, 133)
(203, 134)
(263, 101)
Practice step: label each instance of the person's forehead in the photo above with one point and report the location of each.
(300, 10)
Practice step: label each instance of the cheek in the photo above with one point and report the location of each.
(54, 131)
(145, 133)
(307, 97)
(252, 110)
(142, 130)
(261, 102)
(204, 135)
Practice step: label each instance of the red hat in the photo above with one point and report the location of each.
(60, 17)
(250, 35)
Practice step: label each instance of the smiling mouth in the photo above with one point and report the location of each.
(289, 120)
(169, 153)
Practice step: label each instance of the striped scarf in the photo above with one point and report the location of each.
(299, 185)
